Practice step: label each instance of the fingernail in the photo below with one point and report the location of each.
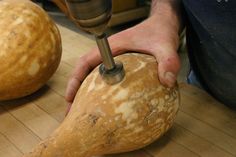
(170, 79)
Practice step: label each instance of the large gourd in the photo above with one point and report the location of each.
(30, 48)
(108, 119)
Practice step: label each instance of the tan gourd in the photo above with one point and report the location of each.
(108, 119)
(30, 48)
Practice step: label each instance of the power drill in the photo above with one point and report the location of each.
(93, 16)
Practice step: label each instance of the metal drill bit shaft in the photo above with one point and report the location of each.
(105, 52)
(112, 72)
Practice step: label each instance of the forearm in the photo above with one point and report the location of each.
(169, 13)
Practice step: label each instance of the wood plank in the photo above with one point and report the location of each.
(207, 132)
(195, 143)
(207, 109)
(55, 108)
(64, 69)
(138, 153)
(38, 121)
(59, 80)
(58, 83)
(165, 147)
(7, 149)
(43, 98)
(82, 39)
(18, 134)
(75, 45)
(71, 57)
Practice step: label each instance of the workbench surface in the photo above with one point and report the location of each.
(203, 127)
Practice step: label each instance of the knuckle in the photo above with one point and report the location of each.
(81, 61)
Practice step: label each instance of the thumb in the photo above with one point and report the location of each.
(168, 68)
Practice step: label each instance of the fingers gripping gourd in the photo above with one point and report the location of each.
(108, 119)
(30, 48)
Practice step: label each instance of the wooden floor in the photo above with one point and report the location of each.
(203, 127)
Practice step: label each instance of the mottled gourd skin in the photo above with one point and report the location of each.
(108, 119)
(30, 48)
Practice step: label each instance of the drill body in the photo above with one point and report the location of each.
(93, 16)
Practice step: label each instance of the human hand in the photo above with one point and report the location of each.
(159, 40)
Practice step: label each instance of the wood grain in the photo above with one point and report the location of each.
(6, 147)
(203, 127)
(17, 133)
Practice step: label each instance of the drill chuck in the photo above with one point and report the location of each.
(91, 15)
